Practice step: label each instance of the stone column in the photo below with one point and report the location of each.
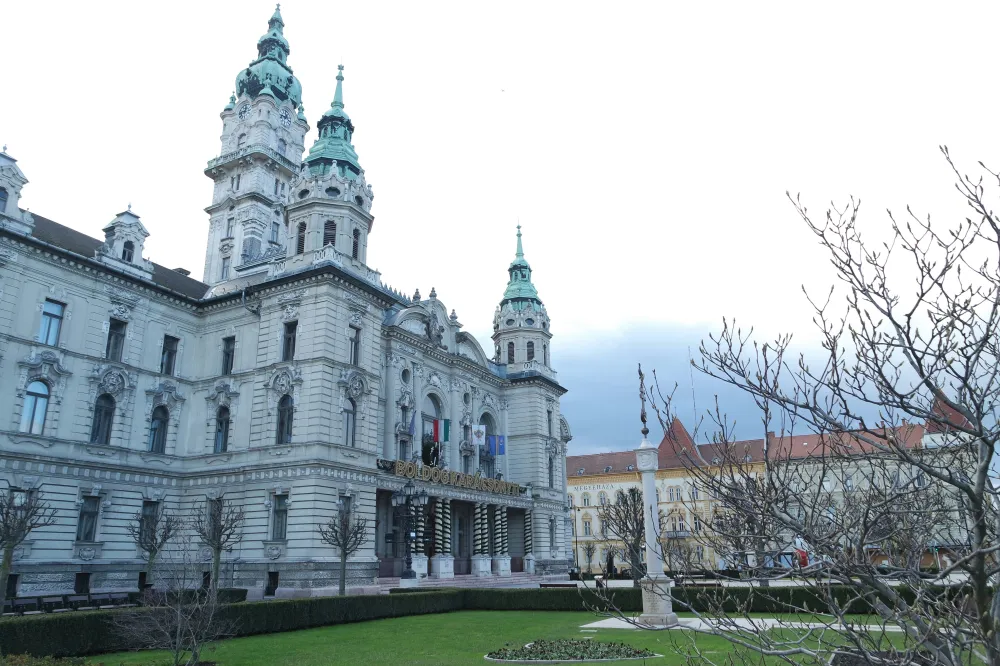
(501, 560)
(657, 606)
(417, 440)
(506, 438)
(391, 409)
(419, 552)
(454, 457)
(442, 563)
(481, 560)
(529, 555)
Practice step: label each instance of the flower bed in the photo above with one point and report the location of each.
(568, 650)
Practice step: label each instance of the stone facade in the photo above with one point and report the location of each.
(280, 382)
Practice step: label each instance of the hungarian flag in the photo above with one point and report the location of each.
(441, 430)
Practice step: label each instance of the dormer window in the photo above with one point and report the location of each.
(128, 251)
(579, 472)
(607, 469)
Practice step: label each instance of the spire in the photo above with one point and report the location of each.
(270, 74)
(520, 250)
(276, 17)
(519, 287)
(333, 149)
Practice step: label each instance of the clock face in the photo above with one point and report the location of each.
(286, 118)
(244, 111)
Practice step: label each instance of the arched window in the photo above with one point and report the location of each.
(3, 199)
(158, 430)
(329, 233)
(586, 499)
(104, 416)
(350, 422)
(510, 352)
(356, 247)
(241, 140)
(128, 251)
(222, 430)
(285, 409)
(300, 241)
(282, 145)
(545, 355)
(602, 498)
(36, 403)
(531, 351)
(552, 472)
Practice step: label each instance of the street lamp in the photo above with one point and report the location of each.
(409, 497)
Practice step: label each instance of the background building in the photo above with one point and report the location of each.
(288, 380)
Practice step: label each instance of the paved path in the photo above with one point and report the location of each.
(703, 625)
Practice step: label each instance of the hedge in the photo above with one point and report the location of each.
(91, 632)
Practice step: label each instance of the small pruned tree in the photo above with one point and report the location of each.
(219, 525)
(347, 533)
(152, 530)
(589, 548)
(623, 522)
(21, 511)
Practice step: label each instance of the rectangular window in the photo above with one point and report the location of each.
(275, 228)
(230, 227)
(52, 317)
(86, 529)
(116, 340)
(11, 586)
(548, 420)
(224, 273)
(238, 180)
(288, 342)
(279, 524)
(228, 354)
(586, 528)
(81, 584)
(354, 352)
(168, 357)
(147, 520)
(276, 184)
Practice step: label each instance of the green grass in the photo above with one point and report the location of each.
(434, 640)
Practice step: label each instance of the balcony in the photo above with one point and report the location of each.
(258, 148)
(677, 534)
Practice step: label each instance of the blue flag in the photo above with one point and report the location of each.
(413, 424)
(502, 444)
(491, 444)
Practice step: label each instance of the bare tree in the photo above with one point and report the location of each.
(878, 456)
(182, 619)
(151, 533)
(589, 548)
(347, 534)
(622, 522)
(219, 525)
(20, 512)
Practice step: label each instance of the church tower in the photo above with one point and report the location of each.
(329, 205)
(520, 324)
(263, 135)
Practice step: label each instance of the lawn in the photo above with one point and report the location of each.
(435, 640)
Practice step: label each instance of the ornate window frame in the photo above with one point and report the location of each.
(89, 550)
(45, 366)
(164, 394)
(119, 384)
(276, 548)
(284, 380)
(223, 394)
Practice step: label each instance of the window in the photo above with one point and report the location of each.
(168, 357)
(510, 352)
(158, 430)
(275, 230)
(531, 351)
(86, 528)
(52, 318)
(586, 528)
(228, 354)
(276, 184)
(285, 409)
(3, 199)
(81, 583)
(116, 340)
(670, 494)
(356, 246)
(11, 578)
(602, 499)
(238, 176)
(350, 412)
(128, 251)
(230, 227)
(548, 418)
(848, 482)
(224, 273)
(572, 501)
(699, 553)
(329, 233)
(586, 499)
(104, 414)
(552, 472)
(545, 354)
(300, 241)
(222, 430)
(147, 520)
(279, 522)
(694, 493)
(241, 140)
(697, 523)
(552, 533)
(281, 146)
(36, 404)
(354, 346)
(288, 342)
(272, 584)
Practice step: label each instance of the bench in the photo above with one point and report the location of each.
(78, 601)
(50, 604)
(100, 600)
(573, 585)
(22, 606)
(119, 599)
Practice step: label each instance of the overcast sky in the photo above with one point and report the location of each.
(645, 148)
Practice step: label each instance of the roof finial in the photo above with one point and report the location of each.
(520, 250)
(642, 397)
(5, 148)
(130, 207)
(338, 96)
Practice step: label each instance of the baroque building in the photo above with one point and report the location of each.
(290, 380)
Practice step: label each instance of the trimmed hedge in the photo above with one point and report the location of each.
(91, 632)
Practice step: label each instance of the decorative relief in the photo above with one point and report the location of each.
(356, 316)
(165, 393)
(222, 395)
(47, 366)
(490, 401)
(289, 313)
(405, 399)
(356, 302)
(281, 382)
(86, 552)
(273, 552)
(414, 326)
(435, 380)
(7, 254)
(404, 349)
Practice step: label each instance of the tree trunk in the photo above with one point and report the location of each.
(343, 571)
(150, 565)
(216, 565)
(8, 559)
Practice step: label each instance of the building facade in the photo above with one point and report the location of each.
(291, 380)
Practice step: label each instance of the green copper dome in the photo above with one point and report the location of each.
(333, 149)
(270, 73)
(520, 292)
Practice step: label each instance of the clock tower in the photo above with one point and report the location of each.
(263, 134)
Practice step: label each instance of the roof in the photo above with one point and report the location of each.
(73, 241)
(950, 419)
(676, 450)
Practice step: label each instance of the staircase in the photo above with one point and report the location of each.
(515, 580)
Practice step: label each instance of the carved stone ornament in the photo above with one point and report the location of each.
(291, 297)
(466, 420)
(356, 302)
(289, 312)
(44, 365)
(273, 552)
(355, 386)
(86, 553)
(435, 380)
(356, 316)
(490, 401)
(552, 448)
(282, 382)
(121, 311)
(164, 393)
(121, 296)
(18, 552)
(115, 381)
(405, 399)
(205, 553)
(222, 395)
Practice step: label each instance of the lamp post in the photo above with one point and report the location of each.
(406, 499)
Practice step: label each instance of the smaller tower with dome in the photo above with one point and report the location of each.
(521, 324)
